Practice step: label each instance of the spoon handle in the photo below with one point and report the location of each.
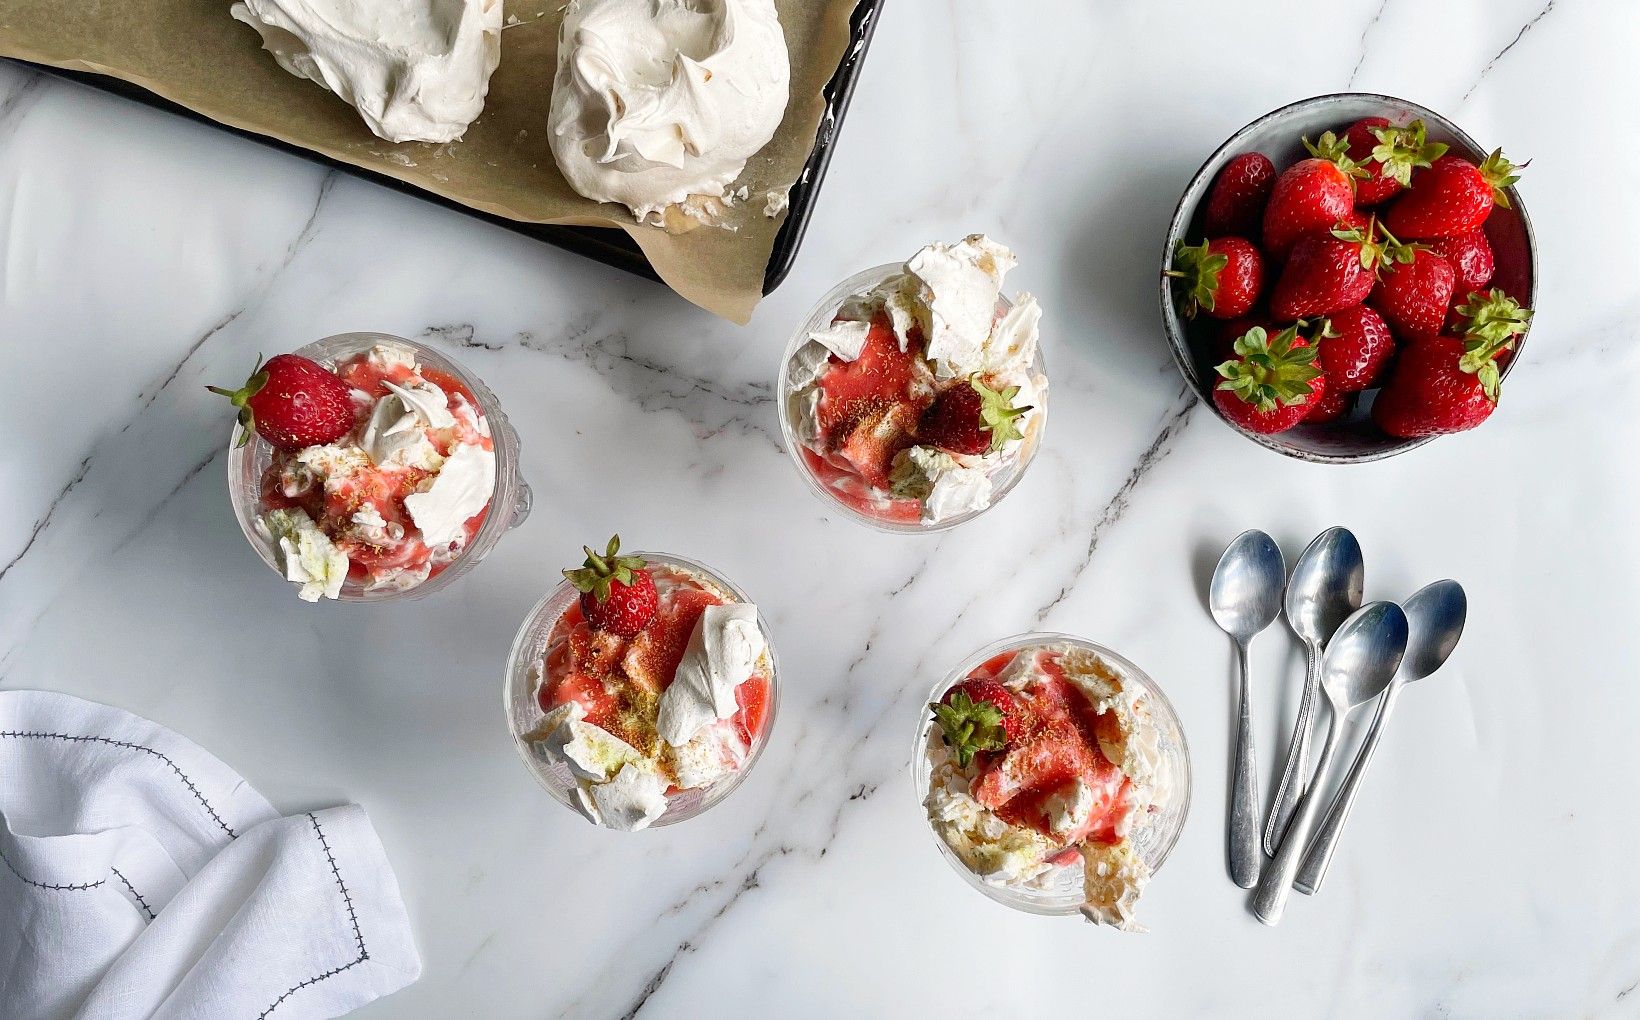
(1314, 869)
(1291, 787)
(1243, 829)
(1270, 901)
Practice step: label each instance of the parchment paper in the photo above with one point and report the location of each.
(192, 53)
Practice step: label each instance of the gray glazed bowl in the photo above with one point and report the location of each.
(1354, 439)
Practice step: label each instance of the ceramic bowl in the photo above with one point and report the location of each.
(1355, 438)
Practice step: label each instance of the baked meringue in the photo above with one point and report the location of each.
(656, 101)
(416, 70)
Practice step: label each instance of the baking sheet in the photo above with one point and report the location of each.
(503, 166)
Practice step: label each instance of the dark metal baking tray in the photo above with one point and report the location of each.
(607, 245)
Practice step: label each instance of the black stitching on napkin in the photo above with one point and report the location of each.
(146, 909)
(352, 916)
(77, 887)
(189, 783)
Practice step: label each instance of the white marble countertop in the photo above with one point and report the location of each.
(1488, 867)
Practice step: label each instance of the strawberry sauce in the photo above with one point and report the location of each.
(1057, 745)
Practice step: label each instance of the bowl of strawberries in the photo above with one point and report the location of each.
(1349, 277)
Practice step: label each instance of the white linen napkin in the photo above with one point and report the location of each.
(141, 877)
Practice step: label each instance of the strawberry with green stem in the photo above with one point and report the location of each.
(1222, 276)
(1326, 273)
(1414, 289)
(293, 402)
(972, 419)
(1271, 383)
(1310, 196)
(977, 715)
(617, 593)
(1389, 153)
(1452, 197)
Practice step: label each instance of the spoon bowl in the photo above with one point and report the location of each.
(1326, 587)
(1363, 656)
(1245, 595)
(1435, 619)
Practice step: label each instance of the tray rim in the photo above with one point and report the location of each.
(608, 245)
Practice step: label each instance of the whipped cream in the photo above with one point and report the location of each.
(656, 101)
(723, 652)
(710, 755)
(305, 554)
(455, 495)
(633, 799)
(945, 485)
(416, 70)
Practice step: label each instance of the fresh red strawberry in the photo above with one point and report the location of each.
(1356, 345)
(292, 402)
(1235, 204)
(602, 709)
(1452, 197)
(617, 594)
(1471, 258)
(977, 715)
(1388, 154)
(1222, 276)
(1271, 383)
(1330, 407)
(1414, 290)
(972, 418)
(1310, 196)
(1326, 273)
(1437, 387)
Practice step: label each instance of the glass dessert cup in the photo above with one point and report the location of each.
(509, 504)
(524, 712)
(1060, 891)
(818, 319)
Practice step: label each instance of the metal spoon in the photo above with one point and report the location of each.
(1245, 598)
(1435, 618)
(1360, 662)
(1324, 590)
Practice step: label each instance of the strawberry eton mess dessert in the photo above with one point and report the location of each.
(382, 469)
(1046, 760)
(653, 691)
(918, 400)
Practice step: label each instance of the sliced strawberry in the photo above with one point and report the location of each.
(602, 708)
(863, 388)
(617, 593)
(753, 699)
(653, 657)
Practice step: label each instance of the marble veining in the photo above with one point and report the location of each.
(1487, 870)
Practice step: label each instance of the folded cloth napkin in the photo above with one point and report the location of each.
(141, 877)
